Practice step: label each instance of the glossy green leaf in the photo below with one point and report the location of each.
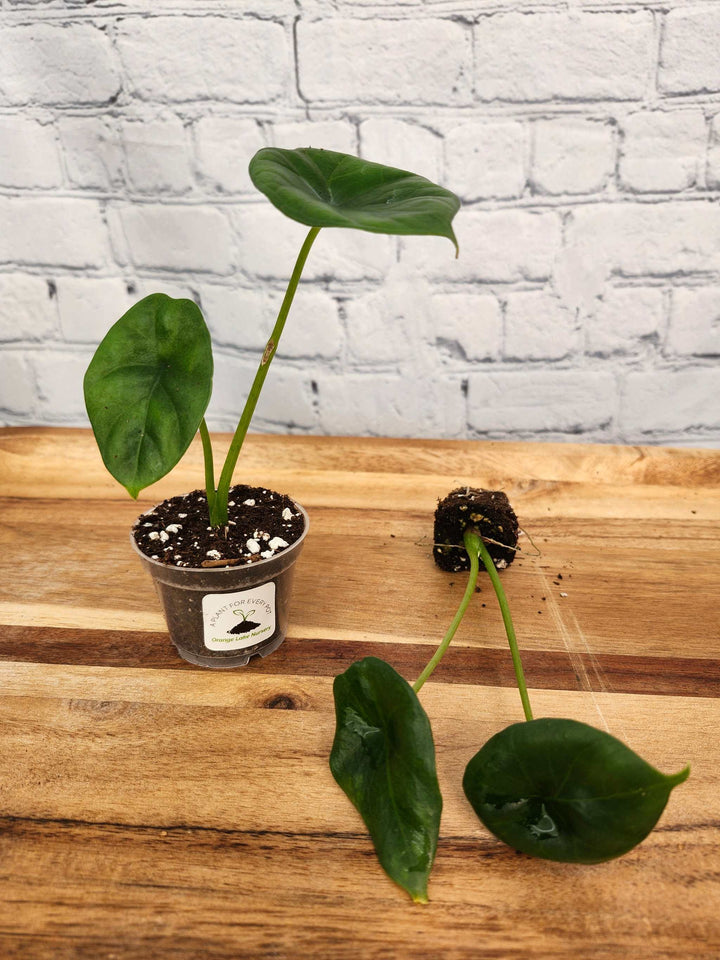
(321, 188)
(147, 388)
(384, 759)
(563, 790)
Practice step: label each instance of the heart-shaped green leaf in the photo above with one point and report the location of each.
(147, 388)
(563, 790)
(321, 188)
(384, 759)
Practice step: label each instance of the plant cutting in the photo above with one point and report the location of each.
(227, 551)
(552, 788)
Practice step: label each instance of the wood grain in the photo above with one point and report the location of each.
(149, 808)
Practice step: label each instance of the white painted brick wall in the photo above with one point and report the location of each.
(550, 401)
(389, 61)
(170, 237)
(663, 150)
(625, 320)
(671, 400)
(694, 322)
(92, 150)
(52, 232)
(27, 308)
(689, 50)
(572, 155)
(487, 159)
(63, 64)
(157, 155)
(564, 56)
(538, 326)
(583, 139)
(220, 142)
(197, 58)
(29, 156)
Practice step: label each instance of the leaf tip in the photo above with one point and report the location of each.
(681, 777)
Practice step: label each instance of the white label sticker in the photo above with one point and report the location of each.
(233, 621)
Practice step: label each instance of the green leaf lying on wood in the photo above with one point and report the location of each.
(321, 188)
(383, 757)
(147, 388)
(562, 790)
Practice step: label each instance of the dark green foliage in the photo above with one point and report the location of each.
(563, 790)
(383, 757)
(321, 188)
(147, 388)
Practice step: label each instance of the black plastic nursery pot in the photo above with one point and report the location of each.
(221, 617)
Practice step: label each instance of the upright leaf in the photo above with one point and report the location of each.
(147, 388)
(384, 759)
(321, 188)
(563, 790)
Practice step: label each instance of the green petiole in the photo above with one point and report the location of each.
(477, 551)
(209, 472)
(457, 619)
(218, 500)
(507, 619)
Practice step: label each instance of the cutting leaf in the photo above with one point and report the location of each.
(383, 757)
(321, 188)
(563, 790)
(147, 388)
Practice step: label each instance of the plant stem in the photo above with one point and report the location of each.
(452, 629)
(209, 472)
(251, 402)
(507, 620)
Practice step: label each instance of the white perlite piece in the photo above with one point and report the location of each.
(253, 546)
(173, 527)
(267, 554)
(248, 503)
(287, 514)
(213, 554)
(153, 535)
(277, 542)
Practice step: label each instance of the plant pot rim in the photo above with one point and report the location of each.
(230, 568)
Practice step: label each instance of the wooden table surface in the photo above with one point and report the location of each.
(149, 808)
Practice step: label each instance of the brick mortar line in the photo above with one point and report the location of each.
(429, 11)
(566, 202)
(337, 289)
(679, 279)
(583, 361)
(431, 116)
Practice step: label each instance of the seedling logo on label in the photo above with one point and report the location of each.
(233, 621)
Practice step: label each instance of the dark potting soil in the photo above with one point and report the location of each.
(261, 524)
(489, 512)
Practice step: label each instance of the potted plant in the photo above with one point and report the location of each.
(551, 788)
(221, 558)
